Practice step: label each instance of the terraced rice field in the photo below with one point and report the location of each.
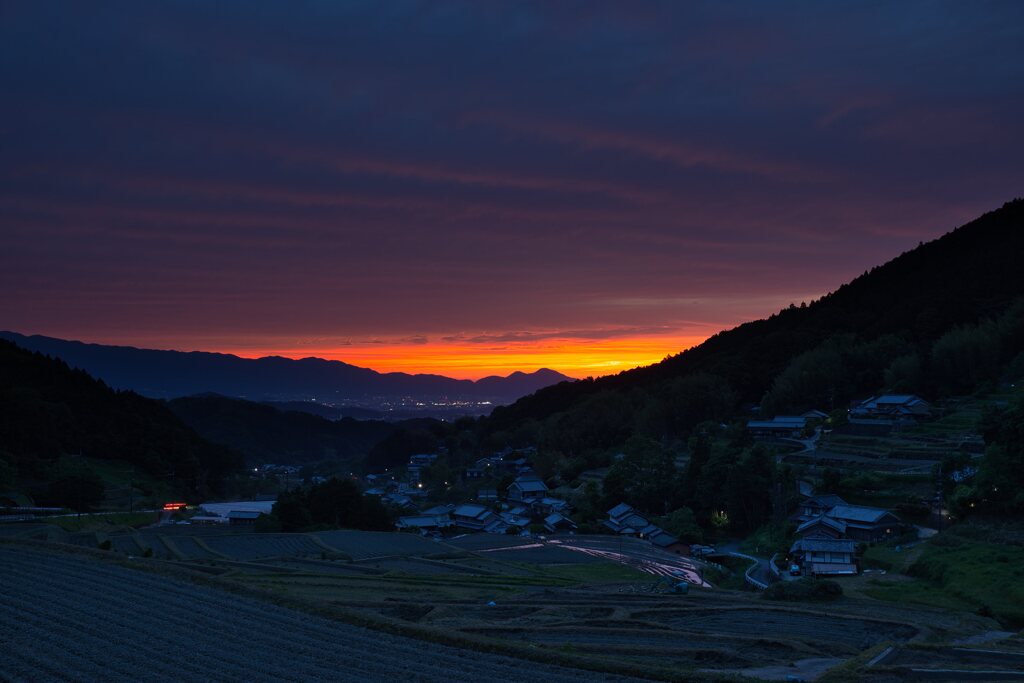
(72, 618)
(125, 544)
(155, 543)
(475, 542)
(255, 546)
(537, 553)
(850, 632)
(189, 548)
(361, 545)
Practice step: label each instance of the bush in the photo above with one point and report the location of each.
(804, 590)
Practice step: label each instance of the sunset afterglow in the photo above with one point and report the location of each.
(574, 357)
(475, 188)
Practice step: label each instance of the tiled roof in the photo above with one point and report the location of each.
(857, 513)
(838, 525)
(825, 545)
(620, 510)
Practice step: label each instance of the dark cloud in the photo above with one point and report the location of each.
(401, 170)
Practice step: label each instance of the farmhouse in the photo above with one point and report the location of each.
(666, 541)
(815, 506)
(866, 523)
(526, 488)
(515, 519)
(475, 518)
(623, 519)
(243, 517)
(780, 426)
(424, 523)
(825, 556)
(221, 509)
(417, 464)
(831, 516)
(822, 526)
(547, 505)
(892, 406)
(558, 522)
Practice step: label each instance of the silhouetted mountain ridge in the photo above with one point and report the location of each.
(49, 410)
(903, 308)
(171, 374)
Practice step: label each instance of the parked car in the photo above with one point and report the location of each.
(794, 570)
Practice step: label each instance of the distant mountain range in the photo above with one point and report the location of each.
(170, 374)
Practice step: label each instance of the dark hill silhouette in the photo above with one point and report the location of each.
(49, 410)
(268, 434)
(170, 374)
(970, 274)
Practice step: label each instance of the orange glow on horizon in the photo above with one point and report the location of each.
(574, 357)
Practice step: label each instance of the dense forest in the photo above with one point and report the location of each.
(941, 319)
(265, 434)
(48, 410)
(334, 504)
(945, 319)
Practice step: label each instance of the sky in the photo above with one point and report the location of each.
(473, 188)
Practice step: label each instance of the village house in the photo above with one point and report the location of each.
(418, 464)
(243, 517)
(867, 524)
(625, 520)
(815, 506)
(398, 500)
(779, 427)
(822, 527)
(556, 522)
(476, 518)
(892, 407)
(541, 507)
(515, 519)
(831, 515)
(527, 488)
(825, 556)
(830, 529)
(424, 523)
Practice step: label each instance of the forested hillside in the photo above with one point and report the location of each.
(48, 411)
(942, 319)
(265, 434)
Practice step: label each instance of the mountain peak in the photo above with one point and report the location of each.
(168, 374)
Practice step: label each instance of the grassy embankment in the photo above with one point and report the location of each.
(967, 568)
